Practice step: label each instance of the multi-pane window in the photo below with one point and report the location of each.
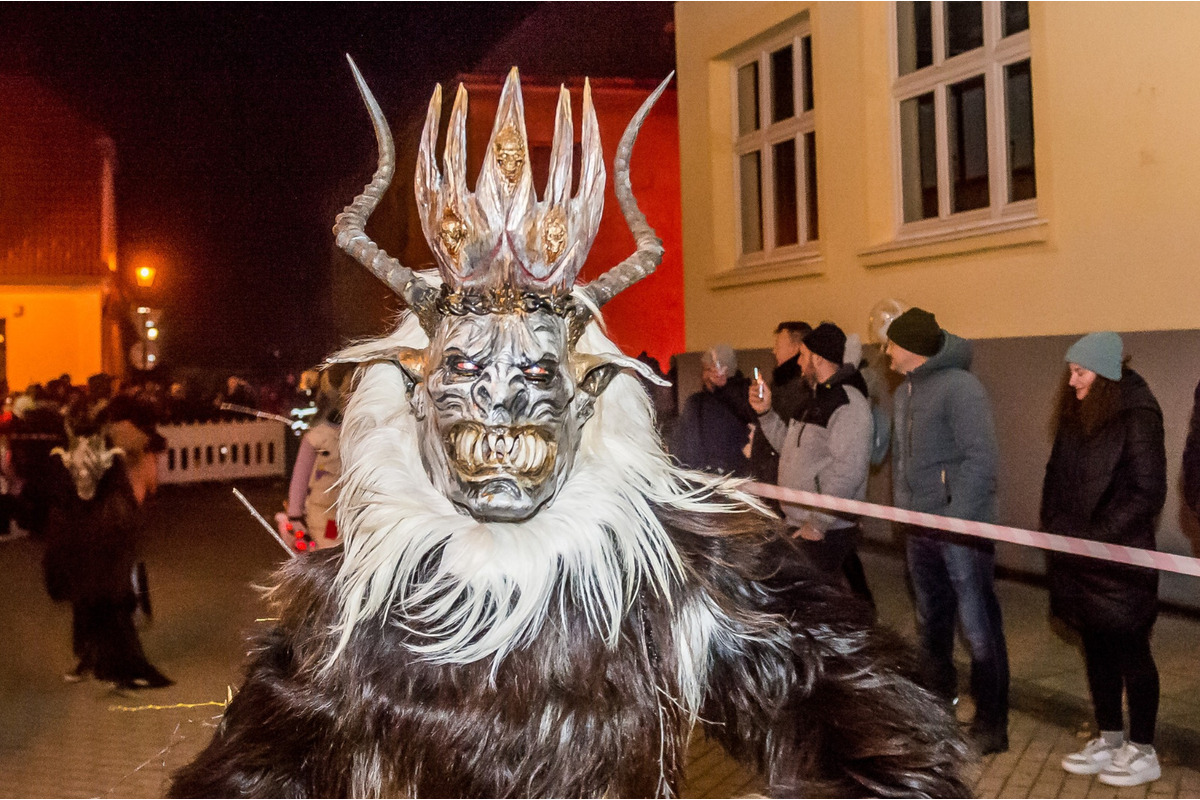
(965, 110)
(775, 150)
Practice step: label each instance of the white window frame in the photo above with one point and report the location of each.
(763, 140)
(990, 61)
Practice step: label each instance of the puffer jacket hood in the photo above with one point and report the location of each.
(955, 353)
(1135, 393)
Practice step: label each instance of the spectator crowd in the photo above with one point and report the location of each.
(819, 425)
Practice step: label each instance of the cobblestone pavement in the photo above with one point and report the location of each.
(87, 740)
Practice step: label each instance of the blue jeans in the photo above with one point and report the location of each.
(953, 577)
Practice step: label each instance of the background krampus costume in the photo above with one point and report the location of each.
(531, 599)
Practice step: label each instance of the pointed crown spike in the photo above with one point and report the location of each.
(500, 248)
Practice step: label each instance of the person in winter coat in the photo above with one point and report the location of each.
(91, 549)
(1107, 481)
(826, 449)
(714, 427)
(944, 458)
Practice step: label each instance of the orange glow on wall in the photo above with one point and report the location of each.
(51, 330)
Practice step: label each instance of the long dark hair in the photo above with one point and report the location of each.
(1098, 407)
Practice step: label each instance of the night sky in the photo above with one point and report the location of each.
(239, 136)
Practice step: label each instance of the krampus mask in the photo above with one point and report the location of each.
(501, 391)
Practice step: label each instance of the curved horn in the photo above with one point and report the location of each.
(350, 224)
(649, 253)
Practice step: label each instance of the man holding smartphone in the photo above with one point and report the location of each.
(825, 449)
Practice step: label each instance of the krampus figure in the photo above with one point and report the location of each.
(531, 599)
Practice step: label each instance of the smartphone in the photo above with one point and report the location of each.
(758, 382)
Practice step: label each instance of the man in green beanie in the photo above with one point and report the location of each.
(944, 458)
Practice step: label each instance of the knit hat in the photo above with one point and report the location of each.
(1100, 352)
(917, 331)
(827, 341)
(722, 357)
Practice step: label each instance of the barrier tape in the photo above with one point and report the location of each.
(1134, 556)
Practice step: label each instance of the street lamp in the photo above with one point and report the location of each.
(144, 275)
(143, 354)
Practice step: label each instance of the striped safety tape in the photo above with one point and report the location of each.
(1167, 562)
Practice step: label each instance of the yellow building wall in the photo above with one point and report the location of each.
(51, 330)
(1116, 104)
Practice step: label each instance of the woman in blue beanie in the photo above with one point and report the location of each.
(1107, 481)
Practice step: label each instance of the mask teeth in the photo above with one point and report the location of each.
(523, 451)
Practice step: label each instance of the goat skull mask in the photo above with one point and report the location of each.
(501, 394)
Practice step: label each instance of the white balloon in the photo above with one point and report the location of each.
(882, 315)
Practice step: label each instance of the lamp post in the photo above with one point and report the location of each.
(144, 353)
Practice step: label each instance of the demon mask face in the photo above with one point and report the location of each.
(500, 412)
(501, 394)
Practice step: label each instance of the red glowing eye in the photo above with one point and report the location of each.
(538, 373)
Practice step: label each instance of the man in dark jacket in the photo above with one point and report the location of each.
(944, 457)
(789, 393)
(714, 427)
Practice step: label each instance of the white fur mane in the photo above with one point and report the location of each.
(597, 544)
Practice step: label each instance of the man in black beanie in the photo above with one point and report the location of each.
(944, 462)
(825, 449)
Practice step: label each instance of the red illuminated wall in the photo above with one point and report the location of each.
(648, 316)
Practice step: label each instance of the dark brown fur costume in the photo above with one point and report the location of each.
(817, 699)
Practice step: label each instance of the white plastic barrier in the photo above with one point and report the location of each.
(222, 451)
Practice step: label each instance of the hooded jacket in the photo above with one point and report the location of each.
(827, 449)
(1108, 487)
(944, 452)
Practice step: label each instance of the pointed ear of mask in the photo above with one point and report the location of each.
(593, 373)
(412, 363)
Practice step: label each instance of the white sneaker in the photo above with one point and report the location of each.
(1131, 767)
(1093, 758)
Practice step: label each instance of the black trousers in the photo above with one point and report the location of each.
(1116, 663)
(837, 554)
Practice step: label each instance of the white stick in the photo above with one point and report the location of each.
(270, 528)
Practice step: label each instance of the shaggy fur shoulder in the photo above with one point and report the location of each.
(564, 716)
(785, 670)
(801, 684)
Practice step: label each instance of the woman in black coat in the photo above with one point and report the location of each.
(1106, 481)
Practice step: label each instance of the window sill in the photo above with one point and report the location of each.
(801, 266)
(958, 241)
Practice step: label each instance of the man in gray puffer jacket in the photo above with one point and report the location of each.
(944, 459)
(825, 448)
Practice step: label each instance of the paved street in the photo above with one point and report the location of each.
(85, 740)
